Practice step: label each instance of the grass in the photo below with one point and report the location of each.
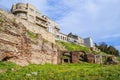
(31, 35)
(82, 71)
(74, 47)
(118, 58)
(1, 20)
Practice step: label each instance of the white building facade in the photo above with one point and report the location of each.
(29, 13)
(89, 42)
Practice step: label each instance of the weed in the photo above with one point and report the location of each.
(31, 35)
(81, 71)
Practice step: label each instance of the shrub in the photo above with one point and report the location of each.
(31, 35)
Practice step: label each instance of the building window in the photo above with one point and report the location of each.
(38, 13)
(44, 17)
(65, 38)
(48, 23)
(23, 14)
(61, 37)
(20, 7)
(37, 19)
(57, 36)
(32, 10)
(31, 17)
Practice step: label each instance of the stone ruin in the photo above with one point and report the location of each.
(22, 46)
(81, 56)
(17, 46)
(111, 60)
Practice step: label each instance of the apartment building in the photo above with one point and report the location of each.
(75, 39)
(89, 42)
(53, 27)
(70, 38)
(30, 13)
(62, 37)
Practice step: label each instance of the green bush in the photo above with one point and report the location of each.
(1, 20)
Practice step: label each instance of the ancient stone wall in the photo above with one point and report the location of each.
(72, 56)
(37, 29)
(75, 57)
(23, 44)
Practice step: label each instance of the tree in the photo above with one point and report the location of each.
(108, 49)
(103, 47)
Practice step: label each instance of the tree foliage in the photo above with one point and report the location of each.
(107, 49)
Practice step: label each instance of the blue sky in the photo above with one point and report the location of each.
(99, 19)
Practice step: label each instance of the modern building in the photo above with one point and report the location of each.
(75, 39)
(62, 37)
(89, 42)
(30, 13)
(53, 27)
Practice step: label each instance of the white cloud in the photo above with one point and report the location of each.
(92, 8)
(97, 18)
(111, 36)
(39, 4)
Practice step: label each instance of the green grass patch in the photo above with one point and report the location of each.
(31, 35)
(82, 71)
(1, 20)
(118, 58)
(1, 29)
(74, 47)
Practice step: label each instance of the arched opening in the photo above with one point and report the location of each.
(82, 56)
(66, 57)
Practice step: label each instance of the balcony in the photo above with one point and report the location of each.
(24, 17)
(41, 24)
(19, 10)
(41, 17)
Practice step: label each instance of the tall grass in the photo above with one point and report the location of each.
(83, 71)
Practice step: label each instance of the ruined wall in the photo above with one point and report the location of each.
(37, 29)
(75, 57)
(18, 44)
